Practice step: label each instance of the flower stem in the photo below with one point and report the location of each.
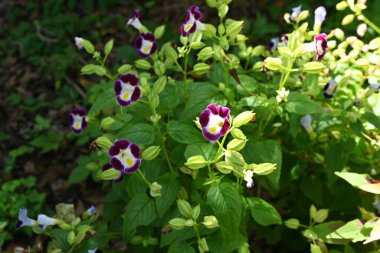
(185, 73)
(284, 76)
(143, 177)
(164, 147)
(370, 23)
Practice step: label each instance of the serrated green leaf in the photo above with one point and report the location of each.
(263, 212)
(184, 132)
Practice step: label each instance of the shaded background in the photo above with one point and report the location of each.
(40, 77)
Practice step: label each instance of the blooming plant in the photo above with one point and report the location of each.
(200, 145)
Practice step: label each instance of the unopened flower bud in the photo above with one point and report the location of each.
(243, 118)
(177, 223)
(196, 162)
(155, 190)
(292, 223)
(184, 208)
(224, 167)
(210, 222)
(151, 153)
(272, 63)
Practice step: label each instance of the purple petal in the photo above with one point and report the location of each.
(71, 119)
(133, 168)
(204, 117)
(118, 87)
(116, 164)
(122, 143)
(136, 94)
(122, 102)
(114, 150)
(135, 150)
(212, 107)
(196, 12)
(225, 127)
(209, 136)
(138, 42)
(224, 112)
(106, 166)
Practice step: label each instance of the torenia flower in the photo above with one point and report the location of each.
(127, 89)
(248, 174)
(306, 122)
(134, 20)
(362, 29)
(91, 211)
(192, 21)
(125, 156)
(77, 120)
(320, 45)
(45, 221)
(79, 42)
(330, 88)
(319, 18)
(24, 220)
(296, 11)
(215, 122)
(282, 95)
(146, 45)
(375, 87)
(95, 251)
(121, 173)
(274, 44)
(284, 39)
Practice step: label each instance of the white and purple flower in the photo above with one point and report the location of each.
(127, 89)
(296, 11)
(330, 88)
(319, 15)
(214, 121)
(320, 45)
(78, 42)
(375, 87)
(125, 156)
(248, 174)
(44, 221)
(24, 220)
(77, 120)
(306, 121)
(192, 21)
(146, 44)
(134, 20)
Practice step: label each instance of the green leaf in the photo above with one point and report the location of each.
(321, 231)
(79, 174)
(169, 192)
(140, 212)
(206, 150)
(108, 47)
(104, 100)
(60, 239)
(373, 119)
(140, 133)
(300, 104)
(169, 99)
(226, 204)
(263, 212)
(267, 151)
(184, 133)
(350, 230)
(354, 179)
(180, 247)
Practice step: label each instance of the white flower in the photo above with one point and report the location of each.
(248, 174)
(320, 15)
(45, 221)
(306, 122)
(282, 95)
(91, 211)
(362, 29)
(79, 42)
(24, 220)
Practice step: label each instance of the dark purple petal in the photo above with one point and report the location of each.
(122, 102)
(106, 166)
(133, 168)
(136, 13)
(116, 164)
(71, 119)
(122, 144)
(114, 150)
(138, 42)
(183, 32)
(136, 94)
(225, 127)
(79, 111)
(212, 107)
(84, 123)
(130, 78)
(149, 36)
(224, 112)
(209, 136)
(135, 150)
(196, 12)
(154, 48)
(118, 87)
(327, 87)
(204, 117)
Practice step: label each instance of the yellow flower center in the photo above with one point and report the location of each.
(213, 129)
(129, 161)
(125, 96)
(77, 125)
(147, 49)
(188, 27)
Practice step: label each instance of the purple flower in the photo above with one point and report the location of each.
(330, 88)
(273, 44)
(284, 39)
(127, 89)
(107, 166)
(375, 87)
(192, 21)
(306, 121)
(320, 15)
(24, 220)
(134, 20)
(320, 45)
(146, 44)
(44, 221)
(296, 11)
(125, 156)
(77, 120)
(215, 122)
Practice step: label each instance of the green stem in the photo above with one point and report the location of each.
(285, 76)
(185, 72)
(164, 147)
(370, 23)
(144, 178)
(197, 232)
(216, 158)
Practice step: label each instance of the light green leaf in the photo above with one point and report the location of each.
(300, 104)
(140, 133)
(169, 192)
(263, 212)
(184, 133)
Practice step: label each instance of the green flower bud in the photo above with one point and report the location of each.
(321, 215)
(318, 158)
(189, 223)
(341, 6)
(159, 68)
(184, 40)
(136, 240)
(210, 31)
(212, 3)
(103, 142)
(303, 15)
(143, 64)
(93, 69)
(155, 190)
(195, 37)
(195, 212)
(79, 238)
(177, 223)
(243, 118)
(184, 208)
(170, 52)
(210, 222)
(151, 153)
(234, 158)
(272, 63)
(223, 10)
(258, 50)
(107, 122)
(348, 19)
(202, 246)
(292, 223)
(197, 45)
(159, 85)
(196, 162)
(224, 167)
(71, 237)
(154, 100)
(196, 121)
(339, 34)
(263, 168)
(314, 67)
(241, 38)
(323, 137)
(285, 51)
(65, 226)
(205, 53)
(314, 248)
(159, 31)
(108, 47)
(234, 28)
(109, 174)
(238, 134)
(201, 68)
(236, 144)
(88, 46)
(123, 69)
(221, 29)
